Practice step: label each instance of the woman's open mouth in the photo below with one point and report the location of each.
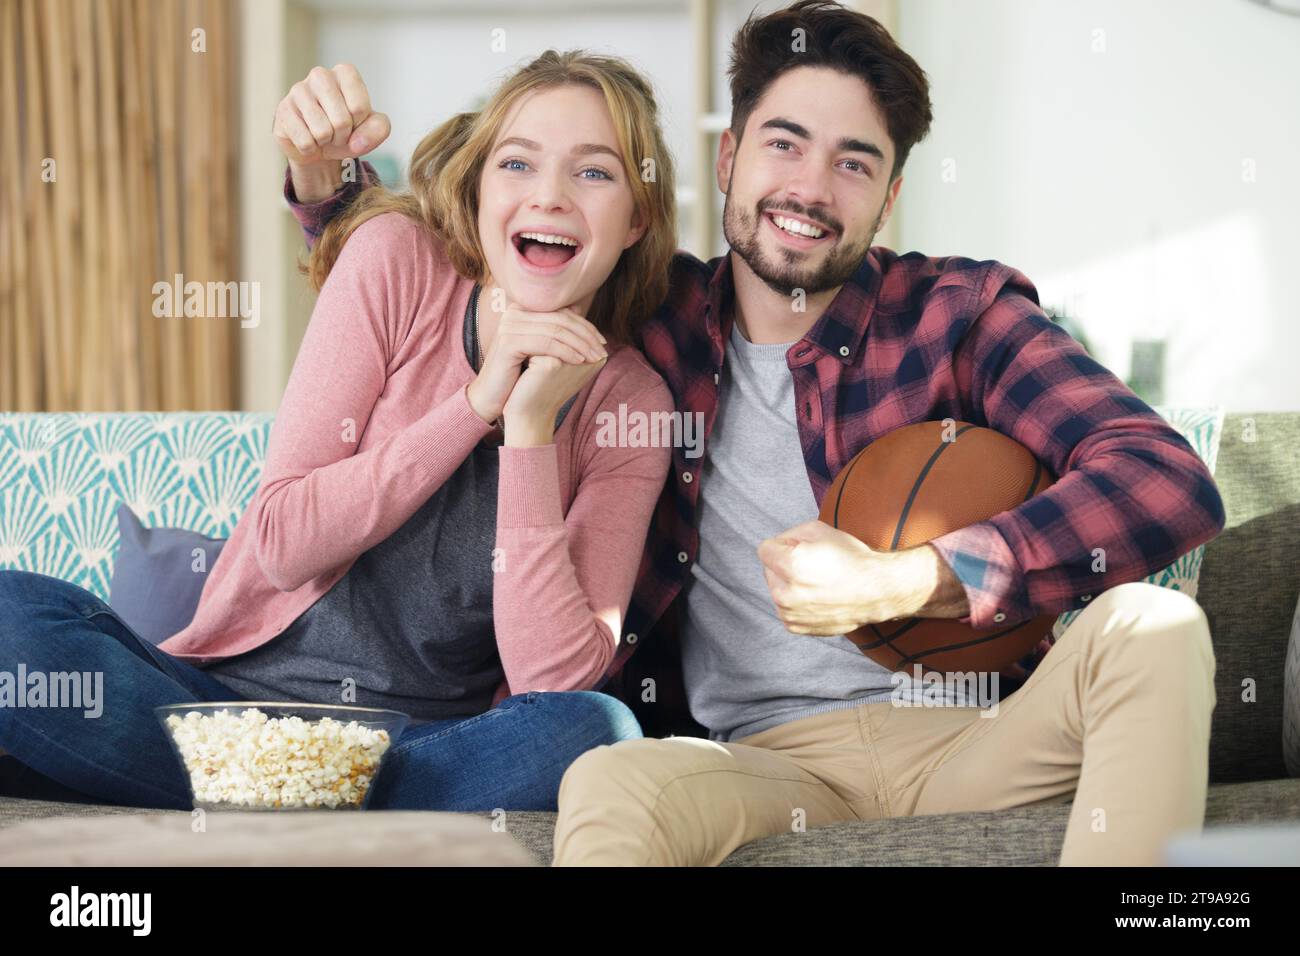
(545, 253)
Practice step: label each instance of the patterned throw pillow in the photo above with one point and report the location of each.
(1202, 427)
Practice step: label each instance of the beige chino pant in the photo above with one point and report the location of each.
(1117, 714)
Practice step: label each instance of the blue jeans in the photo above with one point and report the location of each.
(510, 757)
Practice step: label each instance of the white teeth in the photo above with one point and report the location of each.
(798, 228)
(547, 237)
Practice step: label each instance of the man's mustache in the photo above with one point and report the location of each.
(820, 218)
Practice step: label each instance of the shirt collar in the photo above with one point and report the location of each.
(839, 331)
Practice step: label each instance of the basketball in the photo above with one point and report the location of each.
(915, 484)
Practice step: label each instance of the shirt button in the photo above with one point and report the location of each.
(683, 557)
(999, 617)
(687, 477)
(844, 350)
(631, 638)
(715, 378)
(1086, 597)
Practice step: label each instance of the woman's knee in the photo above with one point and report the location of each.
(606, 719)
(22, 590)
(35, 611)
(15, 588)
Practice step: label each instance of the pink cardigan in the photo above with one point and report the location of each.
(375, 418)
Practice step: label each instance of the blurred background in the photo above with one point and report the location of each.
(1137, 161)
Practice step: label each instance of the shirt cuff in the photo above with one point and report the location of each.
(989, 573)
(311, 216)
(528, 487)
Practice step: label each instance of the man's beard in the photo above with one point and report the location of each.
(784, 277)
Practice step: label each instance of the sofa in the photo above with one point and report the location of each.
(62, 477)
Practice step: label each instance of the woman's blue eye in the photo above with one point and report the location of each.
(597, 169)
(503, 164)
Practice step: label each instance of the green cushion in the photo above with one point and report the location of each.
(62, 476)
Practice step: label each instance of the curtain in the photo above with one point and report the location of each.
(119, 164)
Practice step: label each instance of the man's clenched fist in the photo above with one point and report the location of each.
(326, 118)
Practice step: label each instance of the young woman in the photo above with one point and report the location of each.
(437, 529)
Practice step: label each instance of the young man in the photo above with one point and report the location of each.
(800, 347)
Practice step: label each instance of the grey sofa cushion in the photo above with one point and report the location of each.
(1261, 844)
(1249, 581)
(1028, 836)
(1291, 699)
(307, 838)
(158, 576)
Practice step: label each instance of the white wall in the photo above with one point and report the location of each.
(1100, 147)
(424, 60)
(422, 68)
(1105, 150)
(277, 40)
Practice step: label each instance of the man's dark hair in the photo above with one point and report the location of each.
(836, 38)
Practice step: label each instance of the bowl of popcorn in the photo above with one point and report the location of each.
(254, 755)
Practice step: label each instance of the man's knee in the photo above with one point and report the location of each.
(632, 769)
(609, 766)
(1152, 611)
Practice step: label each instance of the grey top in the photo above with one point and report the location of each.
(410, 624)
(743, 671)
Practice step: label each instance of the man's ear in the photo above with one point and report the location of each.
(891, 197)
(726, 156)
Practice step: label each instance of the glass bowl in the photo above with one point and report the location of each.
(272, 755)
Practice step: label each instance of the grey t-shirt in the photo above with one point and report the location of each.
(411, 621)
(743, 671)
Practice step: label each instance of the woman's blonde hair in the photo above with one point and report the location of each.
(444, 186)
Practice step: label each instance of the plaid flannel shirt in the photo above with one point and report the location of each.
(908, 339)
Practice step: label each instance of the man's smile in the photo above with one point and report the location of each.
(797, 232)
